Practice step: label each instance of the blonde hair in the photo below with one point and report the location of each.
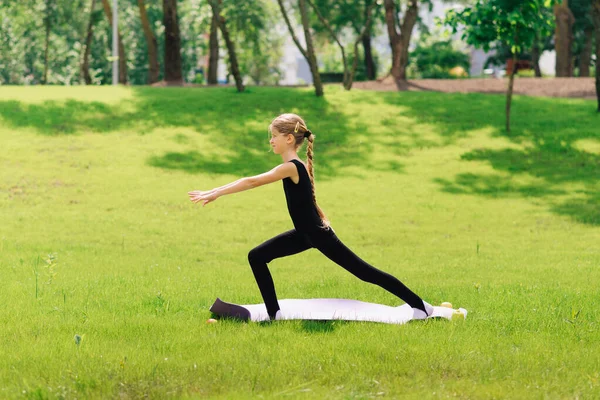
(292, 124)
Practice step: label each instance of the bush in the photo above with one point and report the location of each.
(435, 60)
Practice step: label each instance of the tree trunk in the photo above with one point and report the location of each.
(153, 67)
(310, 58)
(235, 70)
(399, 42)
(596, 16)
(310, 51)
(172, 43)
(213, 57)
(535, 58)
(586, 54)
(563, 39)
(364, 33)
(85, 65)
(369, 62)
(346, 79)
(366, 43)
(509, 92)
(47, 22)
(352, 72)
(400, 61)
(122, 58)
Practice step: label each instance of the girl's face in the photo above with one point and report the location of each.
(279, 142)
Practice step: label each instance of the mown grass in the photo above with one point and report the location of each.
(98, 239)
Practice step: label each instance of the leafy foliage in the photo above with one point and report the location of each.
(584, 24)
(436, 59)
(22, 39)
(512, 22)
(258, 44)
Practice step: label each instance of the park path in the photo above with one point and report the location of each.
(583, 88)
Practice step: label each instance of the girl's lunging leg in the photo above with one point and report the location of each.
(329, 244)
(285, 244)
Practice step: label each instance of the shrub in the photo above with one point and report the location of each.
(435, 60)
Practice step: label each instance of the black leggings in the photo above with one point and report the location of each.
(294, 242)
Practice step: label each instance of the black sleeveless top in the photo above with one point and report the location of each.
(300, 201)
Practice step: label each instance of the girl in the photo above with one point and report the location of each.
(312, 228)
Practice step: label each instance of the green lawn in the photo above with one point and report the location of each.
(98, 239)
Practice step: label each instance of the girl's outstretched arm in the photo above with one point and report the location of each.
(281, 171)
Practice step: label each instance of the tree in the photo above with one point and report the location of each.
(596, 16)
(348, 72)
(399, 41)
(49, 17)
(213, 55)
(583, 35)
(370, 67)
(172, 43)
(514, 23)
(563, 38)
(309, 52)
(194, 22)
(154, 68)
(253, 26)
(235, 70)
(23, 38)
(543, 41)
(342, 14)
(585, 57)
(122, 57)
(85, 65)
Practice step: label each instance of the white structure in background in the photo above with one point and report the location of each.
(296, 71)
(548, 63)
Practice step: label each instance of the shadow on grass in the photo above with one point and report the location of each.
(235, 123)
(320, 326)
(313, 326)
(309, 326)
(67, 117)
(547, 135)
(551, 152)
(244, 119)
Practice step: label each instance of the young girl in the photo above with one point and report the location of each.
(312, 228)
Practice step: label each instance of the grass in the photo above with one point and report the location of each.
(108, 270)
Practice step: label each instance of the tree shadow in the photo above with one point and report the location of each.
(584, 209)
(244, 147)
(54, 118)
(234, 123)
(494, 186)
(452, 114)
(549, 148)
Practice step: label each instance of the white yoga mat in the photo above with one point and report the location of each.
(326, 310)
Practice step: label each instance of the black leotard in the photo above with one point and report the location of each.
(300, 202)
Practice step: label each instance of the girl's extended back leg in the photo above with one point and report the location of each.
(336, 251)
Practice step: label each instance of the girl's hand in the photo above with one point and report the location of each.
(204, 196)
